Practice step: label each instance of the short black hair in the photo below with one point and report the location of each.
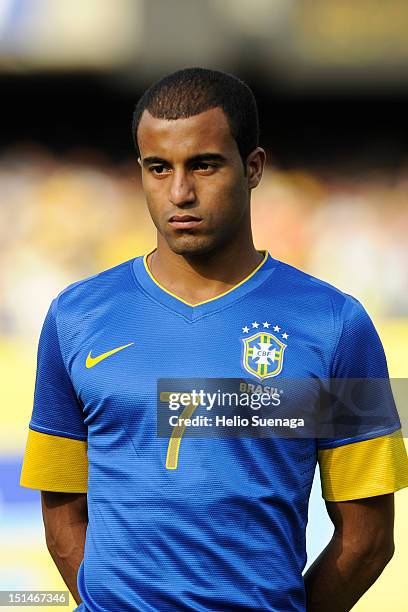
(191, 91)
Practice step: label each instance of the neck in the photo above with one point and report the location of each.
(198, 278)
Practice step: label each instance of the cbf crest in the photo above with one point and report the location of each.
(263, 352)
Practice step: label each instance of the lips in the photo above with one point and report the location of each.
(184, 221)
(184, 218)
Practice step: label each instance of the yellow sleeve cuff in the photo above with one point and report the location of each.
(54, 463)
(364, 469)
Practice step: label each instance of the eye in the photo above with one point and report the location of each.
(204, 167)
(158, 170)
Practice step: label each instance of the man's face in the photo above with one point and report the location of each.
(196, 189)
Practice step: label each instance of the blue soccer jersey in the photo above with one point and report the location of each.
(205, 523)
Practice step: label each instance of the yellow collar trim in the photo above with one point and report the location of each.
(264, 251)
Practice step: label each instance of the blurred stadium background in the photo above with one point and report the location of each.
(331, 80)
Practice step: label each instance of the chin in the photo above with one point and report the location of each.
(192, 245)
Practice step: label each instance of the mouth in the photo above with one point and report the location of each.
(184, 221)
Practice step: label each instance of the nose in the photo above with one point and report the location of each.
(181, 189)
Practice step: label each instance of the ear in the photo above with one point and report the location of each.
(255, 164)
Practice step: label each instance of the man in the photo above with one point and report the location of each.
(203, 523)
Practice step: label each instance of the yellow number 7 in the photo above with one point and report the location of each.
(177, 433)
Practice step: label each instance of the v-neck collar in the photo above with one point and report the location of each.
(193, 311)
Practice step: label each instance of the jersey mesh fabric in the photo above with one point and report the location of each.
(226, 529)
(63, 415)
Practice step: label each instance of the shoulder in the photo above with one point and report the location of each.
(320, 295)
(88, 293)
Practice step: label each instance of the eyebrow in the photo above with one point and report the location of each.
(200, 157)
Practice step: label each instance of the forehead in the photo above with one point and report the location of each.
(207, 131)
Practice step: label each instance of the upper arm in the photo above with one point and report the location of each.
(363, 469)
(62, 514)
(365, 525)
(56, 452)
(58, 508)
(367, 456)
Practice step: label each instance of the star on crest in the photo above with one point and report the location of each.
(265, 325)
